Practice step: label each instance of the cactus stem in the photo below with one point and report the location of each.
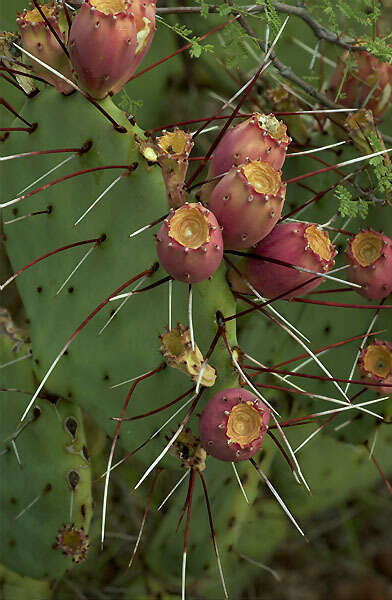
(183, 477)
(48, 24)
(135, 233)
(278, 498)
(17, 273)
(79, 329)
(240, 482)
(144, 517)
(105, 191)
(212, 529)
(65, 178)
(113, 446)
(15, 113)
(46, 489)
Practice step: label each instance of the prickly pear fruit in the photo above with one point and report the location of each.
(369, 255)
(102, 45)
(248, 202)
(37, 39)
(171, 150)
(375, 365)
(300, 244)
(233, 424)
(261, 137)
(189, 243)
(177, 351)
(368, 85)
(144, 13)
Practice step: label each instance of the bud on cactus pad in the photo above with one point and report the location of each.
(102, 45)
(369, 76)
(171, 151)
(261, 137)
(370, 255)
(177, 351)
(233, 425)
(300, 244)
(37, 39)
(189, 243)
(189, 450)
(375, 365)
(73, 542)
(248, 202)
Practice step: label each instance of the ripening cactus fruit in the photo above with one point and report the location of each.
(247, 203)
(189, 243)
(233, 424)
(301, 244)
(375, 365)
(369, 255)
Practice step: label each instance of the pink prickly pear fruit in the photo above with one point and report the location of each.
(144, 13)
(171, 150)
(102, 44)
(189, 243)
(233, 425)
(261, 137)
(37, 38)
(375, 366)
(369, 255)
(248, 202)
(300, 244)
(370, 82)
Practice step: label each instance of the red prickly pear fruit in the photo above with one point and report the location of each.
(248, 202)
(369, 255)
(37, 39)
(144, 13)
(375, 366)
(102, 44)
(171, 150)
(189, 243)
(233, 425)
(261, 137)
(368, 77)
(300, 244)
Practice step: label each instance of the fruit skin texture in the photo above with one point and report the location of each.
(376, 277)
(378, 356)
(99, 71)
(287, 242)
(144, 13)
(359, 83)
(245, 215)
(217, 412)
(188, 264)
(37, 39)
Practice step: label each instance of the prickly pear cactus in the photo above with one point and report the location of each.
(180, 313)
